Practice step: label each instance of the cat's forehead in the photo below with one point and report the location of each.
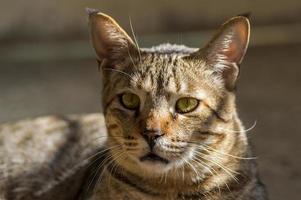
(165, 73)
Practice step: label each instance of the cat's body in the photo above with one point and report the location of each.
(173, 129)
(48, 157)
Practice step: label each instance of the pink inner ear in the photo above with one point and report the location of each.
(233, 52)
(228, 48)
(238, 44)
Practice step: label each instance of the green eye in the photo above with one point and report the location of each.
(186, 104)
(130, 101)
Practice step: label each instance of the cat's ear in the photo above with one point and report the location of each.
(109, 40)
(225, 52)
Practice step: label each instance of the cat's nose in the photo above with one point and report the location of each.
(151, 137)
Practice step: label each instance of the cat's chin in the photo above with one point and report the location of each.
(154, 158)
(155, 167)
(154, 164)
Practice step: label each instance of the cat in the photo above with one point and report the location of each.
(169, 130)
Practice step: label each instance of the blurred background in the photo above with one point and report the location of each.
(47, 65)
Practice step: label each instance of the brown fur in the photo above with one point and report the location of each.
(207, 149)
(154, 151)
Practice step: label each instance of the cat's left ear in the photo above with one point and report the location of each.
(225, 52)
(110, 41)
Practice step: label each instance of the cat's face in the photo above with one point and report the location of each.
(162, 107)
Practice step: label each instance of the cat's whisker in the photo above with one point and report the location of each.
(99, 167)
(108, 136)
(165, 176)
(242, 131)
(86, 161)
(215, 162)
(210, 169)
(119, 71)
(220, 156)
(227, 170)
(95, 172)
(102, 151)
(226, 154)
(192, 167)
(162, 177)
(230, 172)
(115, 164)
(135, 39)
(183, 172)
(132, 60)
(203, 154)
(219, 152)
(203, 164)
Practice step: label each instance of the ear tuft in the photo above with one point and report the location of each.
(91, 11)
(246, 14)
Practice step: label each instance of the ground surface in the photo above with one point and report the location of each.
(268, 92)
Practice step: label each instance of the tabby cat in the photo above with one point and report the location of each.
(170, 128)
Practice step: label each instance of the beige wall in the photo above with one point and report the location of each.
(66, 18)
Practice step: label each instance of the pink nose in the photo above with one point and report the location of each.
(152, 124)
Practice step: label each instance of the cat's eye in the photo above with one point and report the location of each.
(186, 104)
(130, 101)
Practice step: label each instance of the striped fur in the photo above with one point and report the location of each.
(203, 154)
(208, 148)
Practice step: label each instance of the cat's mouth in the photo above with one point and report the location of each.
(154, 158)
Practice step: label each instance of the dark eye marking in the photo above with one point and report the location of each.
(216, 113)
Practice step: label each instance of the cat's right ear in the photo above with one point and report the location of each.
(226, 50)
(110, 41)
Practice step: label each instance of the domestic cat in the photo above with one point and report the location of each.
(170, 129)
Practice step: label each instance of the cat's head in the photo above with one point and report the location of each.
(163, 106)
